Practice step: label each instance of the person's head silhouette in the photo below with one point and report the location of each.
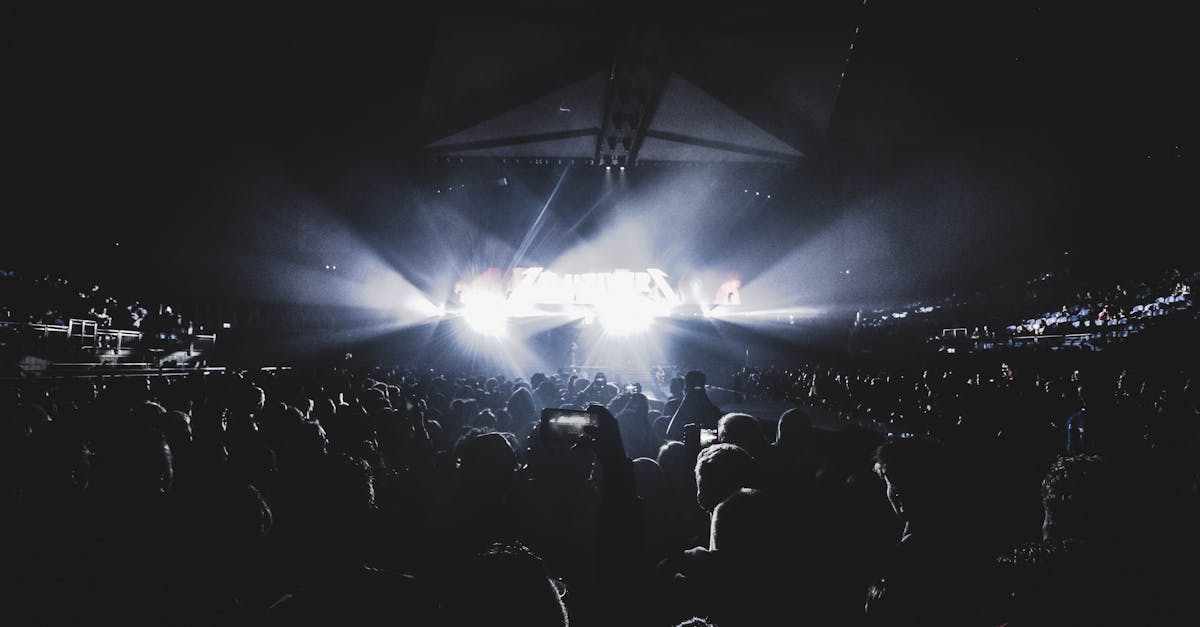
(722, 469)
(506, 585)
(744, 431)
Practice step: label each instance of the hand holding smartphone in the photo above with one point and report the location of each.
(568, 425)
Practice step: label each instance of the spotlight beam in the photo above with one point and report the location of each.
(536, 227)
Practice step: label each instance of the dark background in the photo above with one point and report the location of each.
(983, 141)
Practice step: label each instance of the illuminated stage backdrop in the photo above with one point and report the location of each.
(535, 286)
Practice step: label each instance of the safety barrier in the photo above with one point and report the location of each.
(108, 341)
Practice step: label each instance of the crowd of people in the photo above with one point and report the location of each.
(1117, 308)
(55, 319)
(1109, 309)
(341, 496)
(53, 300)
(1141, 412)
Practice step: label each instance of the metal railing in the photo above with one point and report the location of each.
(92, 337)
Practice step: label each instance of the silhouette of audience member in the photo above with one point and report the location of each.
(745, 431)
(129, 523)
(507, 584)
(336, 583)
(659, 513)
(636, 431)
(695, 408)
(1086, 569)
(659, 426)
(477, 508)
(486, 463)
(599, 390)
(745, 542)
(349, 495)
(722, 469)
(674, 398)
(679, 472)
(931, 576)
(547, 394)
(1077, 500)
(1094, 427)
(796, 445)
(748, 538)
(521, 407)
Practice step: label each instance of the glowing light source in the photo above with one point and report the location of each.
(619, 321)
(628, 315)
(485, 312)
(422, 306)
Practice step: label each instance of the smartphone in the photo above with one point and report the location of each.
(568, 425)
(708, 437)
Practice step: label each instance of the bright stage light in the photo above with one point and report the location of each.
(618, 322)
(626, 317)
(485, 312)
(421, 305)
(486, 322)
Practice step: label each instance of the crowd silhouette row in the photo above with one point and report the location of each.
(417, 497)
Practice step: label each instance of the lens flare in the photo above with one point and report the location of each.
(485, 312)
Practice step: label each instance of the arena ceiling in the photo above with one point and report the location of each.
(965, 136)
(754, 82)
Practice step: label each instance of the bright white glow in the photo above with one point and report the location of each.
(531, 286)
(734, 313)
(628, 316)
(618, 321)
(485, 312)
(421, 305)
